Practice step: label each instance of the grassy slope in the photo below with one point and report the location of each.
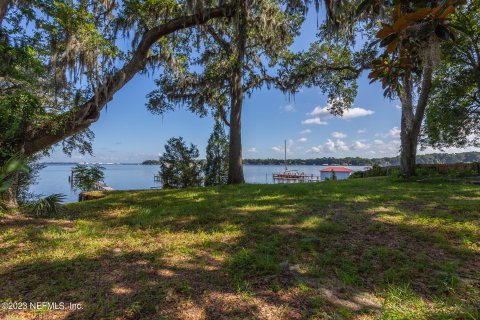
(361, 249)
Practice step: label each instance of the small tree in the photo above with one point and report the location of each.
(85, 177)
(216, 166)
(178, 166)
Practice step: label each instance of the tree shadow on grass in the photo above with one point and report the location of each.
(278, 252)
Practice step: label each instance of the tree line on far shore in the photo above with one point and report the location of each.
(433, 158)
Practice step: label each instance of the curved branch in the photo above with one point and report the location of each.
(82, 117)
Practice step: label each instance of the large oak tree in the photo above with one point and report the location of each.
(408, 35)
(232, 60)
(61, 63)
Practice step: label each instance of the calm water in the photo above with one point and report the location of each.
(54, 178)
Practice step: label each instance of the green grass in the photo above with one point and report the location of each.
(371, 248)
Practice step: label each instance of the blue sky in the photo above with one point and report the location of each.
(127, 132)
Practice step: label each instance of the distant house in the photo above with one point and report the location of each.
(341, 173)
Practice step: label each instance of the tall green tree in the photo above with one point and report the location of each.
(85, 177)
(216, 165)
(231, 61)
(179, 167)
(408, 35)
(453, 111)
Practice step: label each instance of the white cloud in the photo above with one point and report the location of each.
(348, 114)
(362, 130)
(356, 112)
(341, 146)
(252, 150)
(306, 131)
(319, 111)
(315, 120)
(394, 132)
(359, 145)
(339, 135)
(398, 107)
(329, 146)
(378, 142)
(288, 108)
(303, 139)
(281, 149)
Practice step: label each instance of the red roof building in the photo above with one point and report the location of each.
(336, 169)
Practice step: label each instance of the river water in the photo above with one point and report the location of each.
(54, 177)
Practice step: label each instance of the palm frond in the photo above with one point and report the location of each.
(48, 206)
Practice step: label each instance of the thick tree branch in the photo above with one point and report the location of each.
(3, 9)
(88, 113)
(424, 94)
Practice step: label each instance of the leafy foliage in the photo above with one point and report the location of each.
(86, 177)
(8, 170)
(202, 68)
(410, 38)
(48, 206)
(328, 64)
(178, 166)
(60, 65)
(216, 165)
(453, 114)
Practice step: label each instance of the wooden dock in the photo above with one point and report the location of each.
(289, 177)
(99, 186)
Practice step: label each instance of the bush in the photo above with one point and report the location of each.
(216, 164)
(179, 167)
(451, 170)
(85, 177)
(46, 207)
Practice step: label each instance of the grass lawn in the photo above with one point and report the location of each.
(359, 249)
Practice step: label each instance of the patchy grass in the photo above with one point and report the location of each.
(359, 249)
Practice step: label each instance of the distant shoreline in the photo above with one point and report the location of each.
(433, 158)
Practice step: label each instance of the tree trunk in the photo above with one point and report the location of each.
(235, 161)
(408, 153)
(3, 9)
(9, 197)
(412, 122)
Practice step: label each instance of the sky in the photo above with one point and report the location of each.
(128, 133)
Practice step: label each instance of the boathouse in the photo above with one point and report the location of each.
(341, 173)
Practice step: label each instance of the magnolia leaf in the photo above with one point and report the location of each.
(447, 12)
(397, 11)
(385, 42)
(418, 15)
(393, 45)
(386, 31)
(400, 24)
(436, 10)
(362, 7)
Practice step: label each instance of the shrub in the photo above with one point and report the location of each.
(216, 165)
(48, 206)
(85, 177)
(178, 165)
